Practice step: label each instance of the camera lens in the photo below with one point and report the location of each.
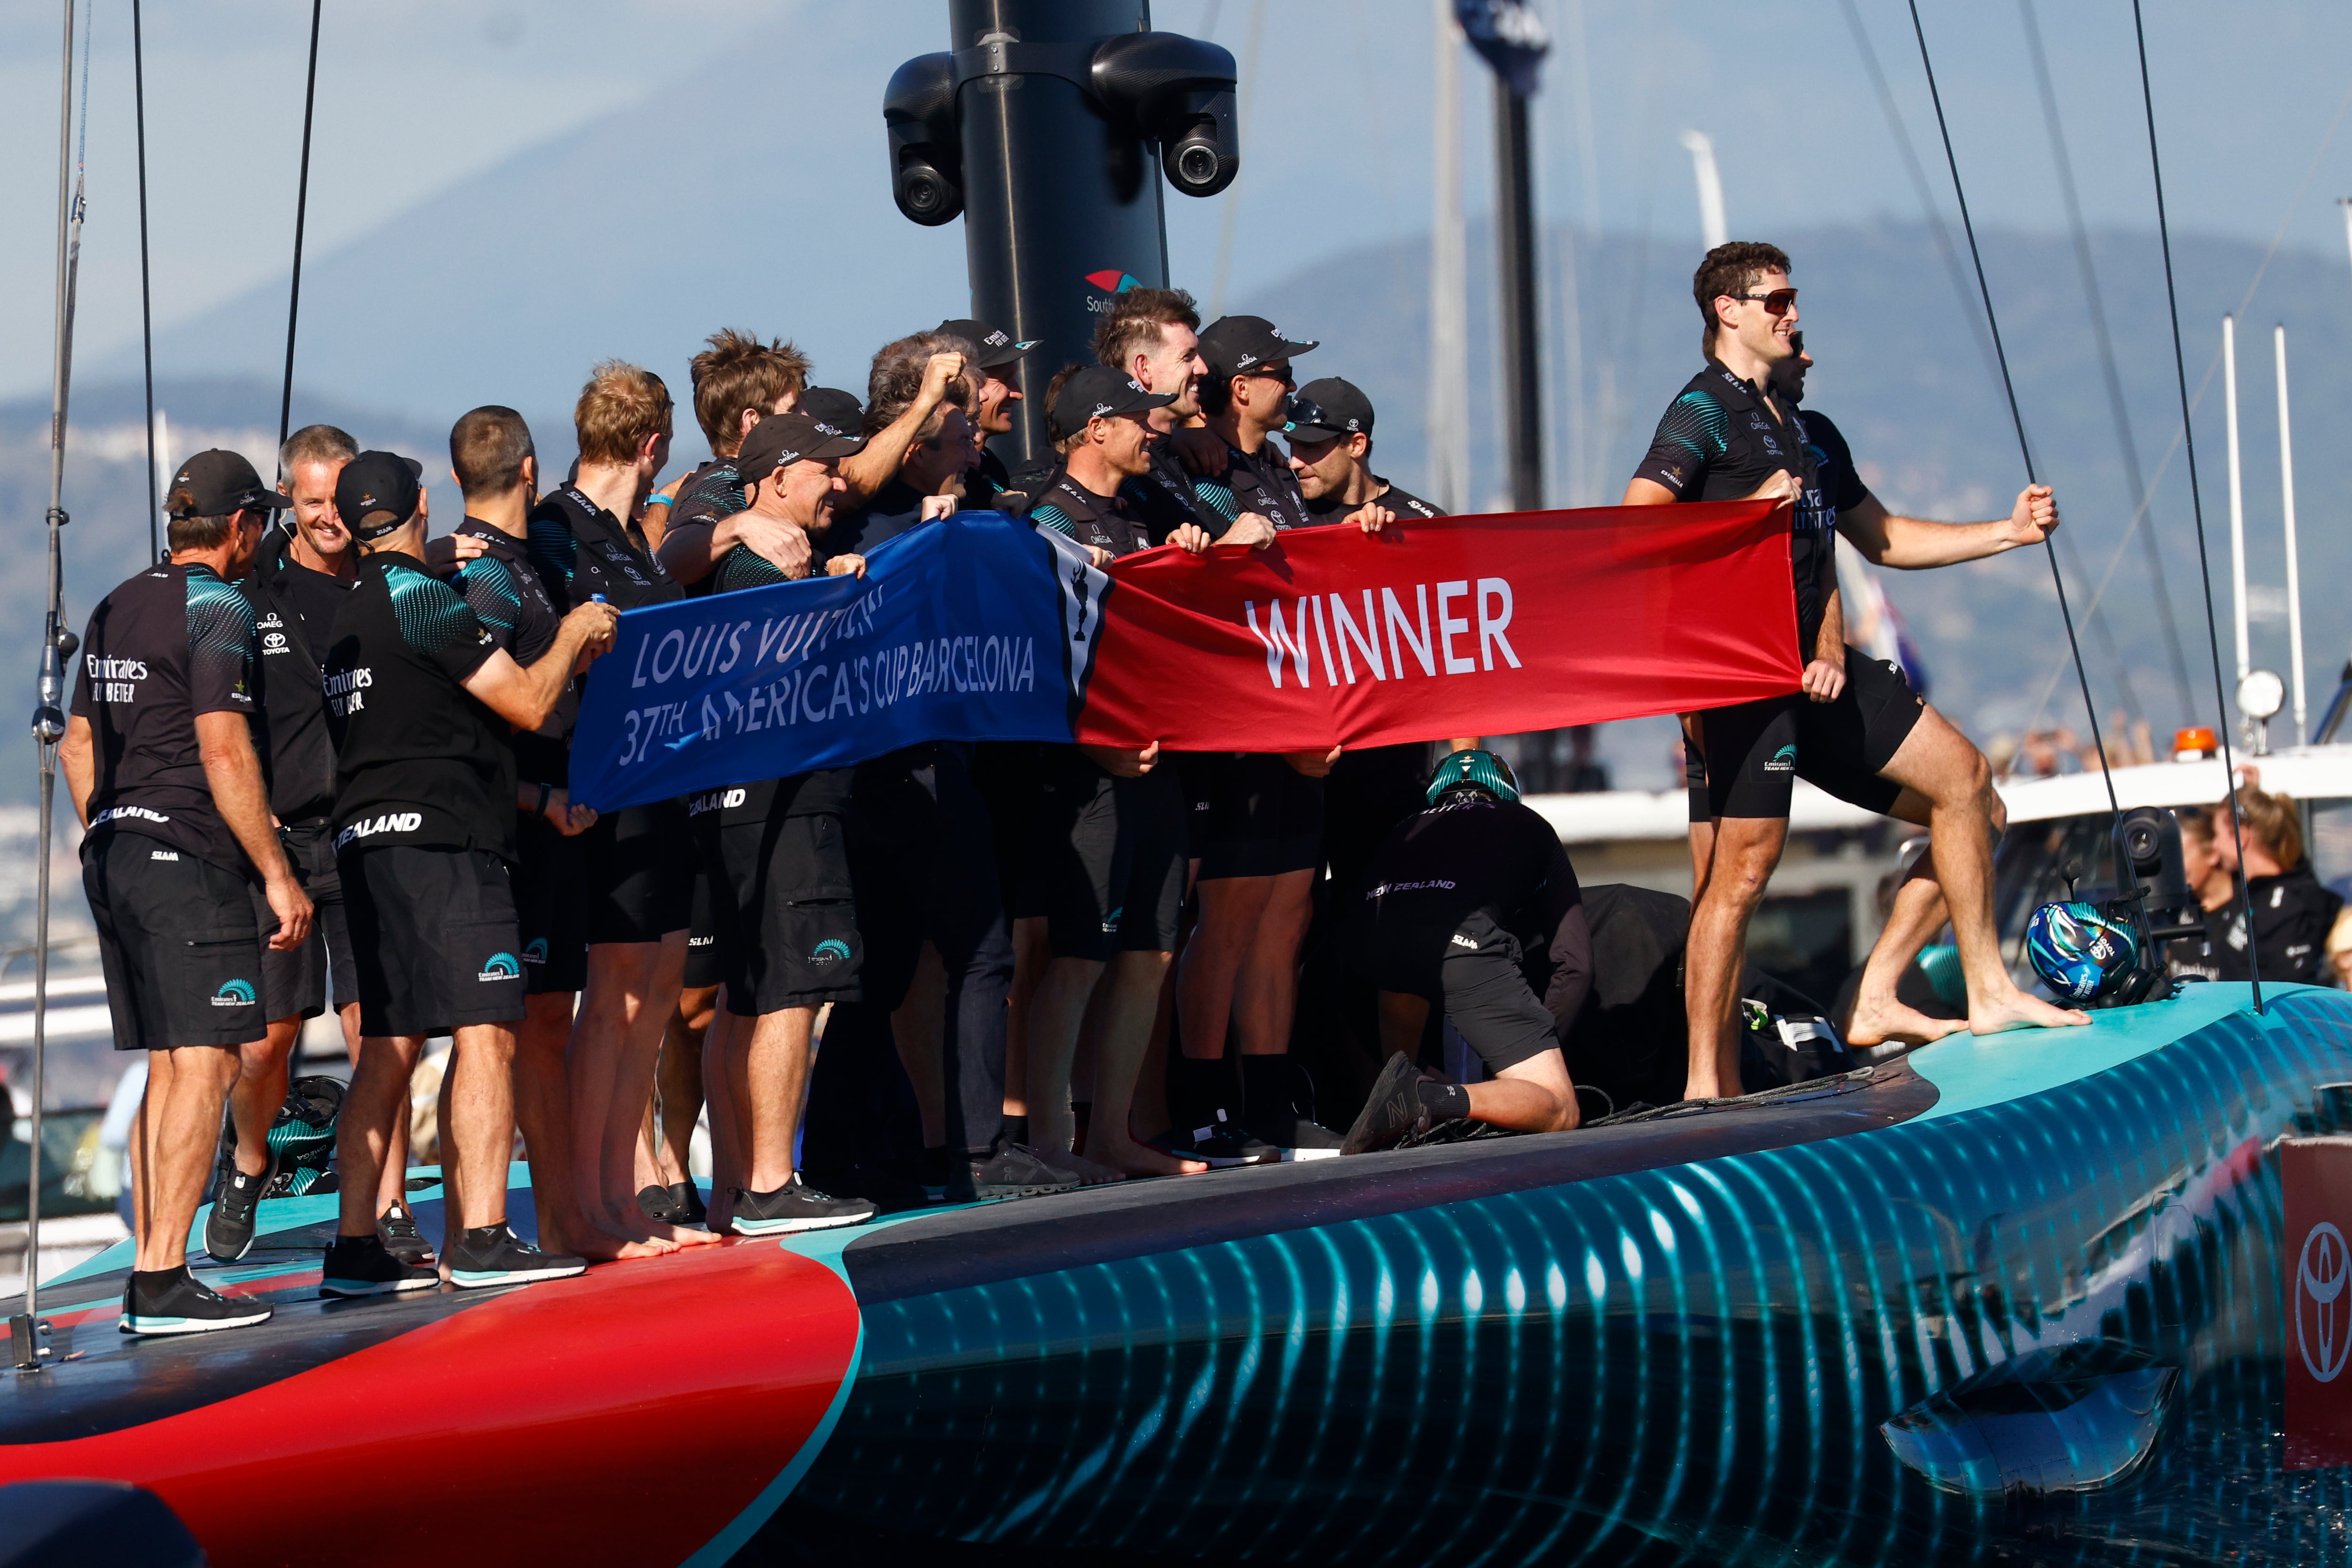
(927, 195)
(1196, 164)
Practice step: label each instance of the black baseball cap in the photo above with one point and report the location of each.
(784, 439)
(997, 346)
(376, 482)
(1324, 409)
(1235, 344)
(1097, 392)
(833, 406)
(220, 482)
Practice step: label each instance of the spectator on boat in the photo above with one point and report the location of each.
(420, 698)
(160, 758)
(997, 356)
(2293, 913)
(1855, 728)
(2214, 886)
(1472, 910)
(301, 575)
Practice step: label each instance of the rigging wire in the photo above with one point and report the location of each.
(146, 306)
(2117, 409)
(2213, 369)
(2197, 506)
(2016, 415)
(301, 209)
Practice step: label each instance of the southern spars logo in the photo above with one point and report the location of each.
(500, 966)
(234, 994)
(535, 950)
(1112, 283)
(831, 950)
(1783, 761)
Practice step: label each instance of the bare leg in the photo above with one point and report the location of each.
(1746, 851)
(1531, 1096)
(918, 1029)
(1033, 955)
(1222, 941)
(1057, 1011)
(177, 1132)
(1937, 762)
(477, 1127)
(260, 1091)
(391, 1186)
(632, 989)
(376, 1101)
(679, 1079)
(776, 1083)
(542, 1110)
(1121, 1023)
(1878, 1016)
(722, 1084)
(1266, 995)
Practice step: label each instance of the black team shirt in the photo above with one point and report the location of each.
(505, 595)
(1717, 442)
(1113, 522)
(294, 612)
(1395, 498)
(170, 643)
(1473, 857)
(580, 551)
(1258, 482)
(706, 498)
(420, 760)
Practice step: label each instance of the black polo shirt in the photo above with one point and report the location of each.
(1838, 488)
(294, 611)
(1395, 498)
(1717, 442)
(1164, 497)
(1258, 482)
(420, 760)
(506, 596)
(581, 551)
(1106, 522)
(170, 643)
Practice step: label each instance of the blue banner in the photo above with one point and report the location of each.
(977, 628)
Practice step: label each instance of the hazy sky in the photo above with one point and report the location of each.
(417, 95)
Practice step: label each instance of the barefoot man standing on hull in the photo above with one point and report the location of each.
(1855, 729)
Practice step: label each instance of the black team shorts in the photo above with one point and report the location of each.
(704, 966)
(638, 869)
(1075, 870)
(1151, 812)
(550, 907)
(438, 945)
(1757, 751)
(178, 942)
(787, 924)
(1252, 815)
(294, 985)
(1475, 975)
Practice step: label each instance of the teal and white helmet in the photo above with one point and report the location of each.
(1473, 770)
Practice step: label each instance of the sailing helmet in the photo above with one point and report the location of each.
(1473, 770)
(2079, 951)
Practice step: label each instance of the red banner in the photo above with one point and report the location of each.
(1474, 625)
(2317, 1176)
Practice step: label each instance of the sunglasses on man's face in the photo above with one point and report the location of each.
(1776, 303)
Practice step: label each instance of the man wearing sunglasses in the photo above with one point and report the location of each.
(1855, 728)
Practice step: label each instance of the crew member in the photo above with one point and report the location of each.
(1474, 910)
(929, 480)
(637, 866)
(160, 762)
(1106, 860)
(1330, 436)
(1730, 435)
(1153, 336)
(419, 695)
(997, 356)
(776, 852)
(299, 578)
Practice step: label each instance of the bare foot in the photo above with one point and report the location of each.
(1881, 1022)
(605, 1249)
(617, 1228)
(1088, 1172)
(2018, 1010)
(1140, 1159)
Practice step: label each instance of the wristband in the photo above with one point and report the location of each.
(546, 793)
(658, 499)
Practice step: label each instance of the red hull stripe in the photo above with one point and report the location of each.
(534, 1417)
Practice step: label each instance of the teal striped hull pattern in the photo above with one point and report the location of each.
(1684, 1364)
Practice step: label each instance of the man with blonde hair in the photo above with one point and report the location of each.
(637, 864)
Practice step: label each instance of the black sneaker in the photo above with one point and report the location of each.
(494, 1255)
(1011, 1171)
(795, 1206)
(1394, 1110)
(361, 1266)
(686, 1201)
(172, 1301)
(228, 1232)
(1221, 1143)
(396, 1229)
(890, 1189)
(659, 1206)
(1294, 1138)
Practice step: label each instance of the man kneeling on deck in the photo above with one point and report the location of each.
(1473, 908)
